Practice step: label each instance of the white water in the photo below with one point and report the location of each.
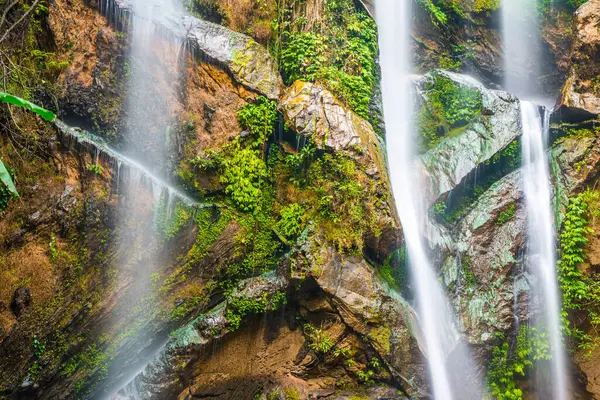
(393, 18)
(521, 38)
(541, 237)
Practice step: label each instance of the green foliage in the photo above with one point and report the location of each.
(259, 118)
(335, 181)
(242, 176)
(581, 292)
(319, 340)
(292, 220)
(339, 52)
(17, 101)
(544, 6)
(303, 57)
(449, 106)
(395, 269)
(96, 169)
(8, 190)
(438, 16)
(506, 367)
(441, 11)
(168, 222)
(239, 307)
(506, 215)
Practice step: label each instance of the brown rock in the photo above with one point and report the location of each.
(580, 95)
(21, 301)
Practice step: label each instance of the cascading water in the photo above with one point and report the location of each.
(541, 237)
(522, 59)
(151, 104)
(521, 39)
(435, 315)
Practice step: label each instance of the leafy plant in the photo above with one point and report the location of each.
(449, 106)
(96, 169)
(291, 222)
(506, 366)
(319, 341)
(242, 175)
(506, 215)
(581, 292)
(339, 52)
(17, 101)
(259, 118)
(8, 190)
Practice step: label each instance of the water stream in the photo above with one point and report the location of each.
(435, 315)
(522, 60)
(541, 247)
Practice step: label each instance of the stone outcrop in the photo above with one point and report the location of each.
(580, 97)
(313, 112)
(249, 62)
(457, 155)
(371, 308)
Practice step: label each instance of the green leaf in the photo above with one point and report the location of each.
(7, 180)
(17, 101)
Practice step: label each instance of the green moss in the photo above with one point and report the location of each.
(506, 215)
(240, 307)
(291, 394)
(381, 336)
(449, 106)
(339, 51)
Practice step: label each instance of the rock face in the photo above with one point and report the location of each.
(312, 111)
(249, 62)
(373, 309)
(457, 155)
(580, 95)
(21, 301)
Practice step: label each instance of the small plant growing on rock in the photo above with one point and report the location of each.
(292, 220)
(319, 341)
(96, 169)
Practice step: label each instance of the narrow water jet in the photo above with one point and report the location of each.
(541, 248)
(442, 341)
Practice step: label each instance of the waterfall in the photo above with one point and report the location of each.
(521, 37)
(153, 70)
(522, 58)
(541, 237)
(442, 342)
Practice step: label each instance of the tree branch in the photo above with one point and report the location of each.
(33, 6)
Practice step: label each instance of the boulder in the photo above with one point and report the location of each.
(459, 153)
(370, 307)
(312, 111)
(21, 301)
(580, 97)
(159, 379)
(490, 255)
(250, 63)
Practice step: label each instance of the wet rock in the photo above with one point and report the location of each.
(312, 111)
(581, 95)
(490, 257)
(457, 155)
(160, 378)
(370, 307)
(21, 301)
(249, 62)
